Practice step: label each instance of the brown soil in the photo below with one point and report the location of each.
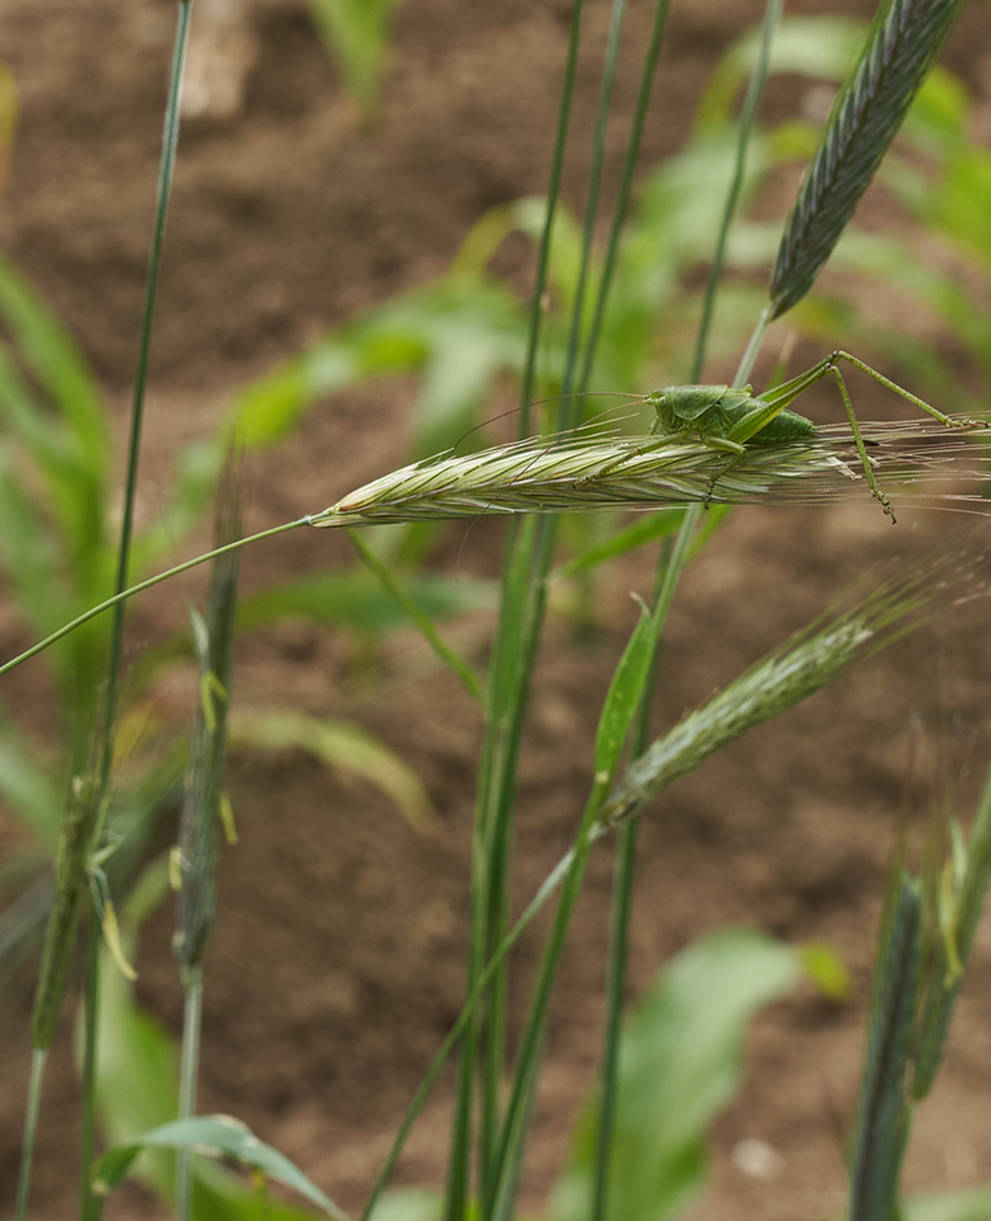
(337, 962)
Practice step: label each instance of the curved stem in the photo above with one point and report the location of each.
(124, 594)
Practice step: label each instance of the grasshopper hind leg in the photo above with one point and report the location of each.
(858, 436)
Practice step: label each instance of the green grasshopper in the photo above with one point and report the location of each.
(730, 419)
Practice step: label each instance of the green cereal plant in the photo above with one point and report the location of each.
(711, 445)
(83, 832)
(920, 967)
(903, 43)
(80, 824)
(206, 806)
(356, 33)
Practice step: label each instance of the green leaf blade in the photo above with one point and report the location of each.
(679, 1065)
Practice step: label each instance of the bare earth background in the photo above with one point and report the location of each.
(337, 963)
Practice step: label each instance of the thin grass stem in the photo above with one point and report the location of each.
(192, 1021)
(547, 232)
(149, 583)
(164, 190)
(670, 566)
(506, 1165)
(501, 695)
(39, 1057)
(748, 114)
(547, 889)
(630, 159)
(88, 1204)
(624, 873)
(523, 640)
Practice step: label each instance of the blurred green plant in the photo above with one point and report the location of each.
(459, 335)
(58, 550)
(138, 1090)
(681, 1065)
(356, 33)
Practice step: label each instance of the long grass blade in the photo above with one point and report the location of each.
(467, 676)
(499, 817)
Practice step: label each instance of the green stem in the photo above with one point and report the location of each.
(566, 411)
(672, 561)
(748, 113)
(619, 940)
(165, 175)
(625, 186)
(547, 233)
(141, 586)
(506, 1166)
(191, 1024)
(164, 190)
(670, 565)
(38, 1058)
(753, 347)
(87, 1139)
(499, 694)
(521, 641)
(454, 1035)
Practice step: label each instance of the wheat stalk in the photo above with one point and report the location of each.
(204, 799)
(791, 673)
(903, 42)
(587, 470)
(76, 840)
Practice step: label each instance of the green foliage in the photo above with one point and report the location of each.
(341, 745)
(679, 1066)
(54, 546)
(137, 1086)
(973, 1204)
(625, 692)
(217, 1136)
(680, 1057)
(356, 33)
(883, 1117)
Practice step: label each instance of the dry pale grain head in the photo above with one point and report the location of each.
(587, 470)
